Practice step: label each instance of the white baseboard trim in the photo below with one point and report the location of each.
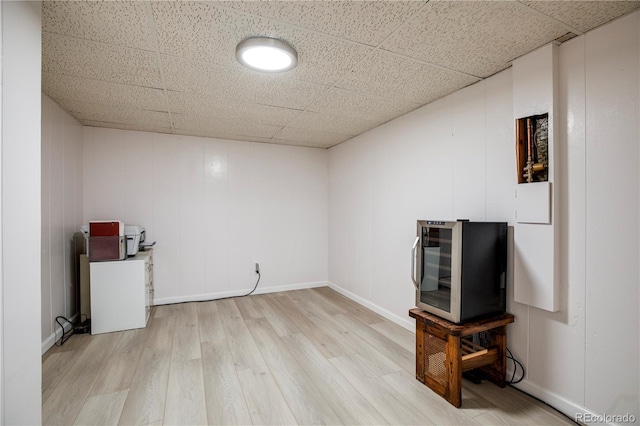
(57, 334)
(235, 293)
(403, 322)
(560, 403)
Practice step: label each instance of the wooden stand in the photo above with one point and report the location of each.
(444, 350)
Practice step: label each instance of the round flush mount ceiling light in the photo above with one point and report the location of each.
(266, 54)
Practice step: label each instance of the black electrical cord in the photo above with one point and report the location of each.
(516, 363)
(244, 295)
(254, 287)
(65, 335)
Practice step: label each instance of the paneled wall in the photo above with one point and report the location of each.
(61, 216)
(455, 158)
(215, 208)
(612, 117)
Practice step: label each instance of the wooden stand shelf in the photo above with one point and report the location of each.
(444, 350)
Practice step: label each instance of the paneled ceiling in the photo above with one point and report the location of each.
(170, 67)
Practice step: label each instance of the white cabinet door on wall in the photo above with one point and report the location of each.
(121, 293)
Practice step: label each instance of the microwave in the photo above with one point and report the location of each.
(459, 268)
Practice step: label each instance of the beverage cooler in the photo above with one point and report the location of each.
(459, 268)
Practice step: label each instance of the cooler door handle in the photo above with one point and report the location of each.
(413, 263)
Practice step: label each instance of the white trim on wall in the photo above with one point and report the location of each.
(560, 403)
(235, 293)
(1, 257)
(402, 322)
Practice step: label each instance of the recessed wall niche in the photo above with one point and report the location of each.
(532, 148)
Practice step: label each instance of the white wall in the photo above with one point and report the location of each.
(455, 158)
(215, 207)
(61, 216)
(612, 57)
(21, 67)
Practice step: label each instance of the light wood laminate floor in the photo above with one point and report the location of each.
(300, 357)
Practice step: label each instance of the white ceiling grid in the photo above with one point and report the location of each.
(169, 66)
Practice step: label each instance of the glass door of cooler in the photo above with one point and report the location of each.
(435, 267)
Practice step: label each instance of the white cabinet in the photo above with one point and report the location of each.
(121, 293)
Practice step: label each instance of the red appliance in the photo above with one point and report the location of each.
(107, 241)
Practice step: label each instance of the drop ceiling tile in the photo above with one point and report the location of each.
(119, 23)
(474, 37)
(311, 136)
(115, 114)
(209, 33)
(90, 59)
(583, 15)
(388, 75)
(240, 126)
(350, 103)
(367, 22)
(182, 75)
(66, 87)
(332, 123)
(136, 127)
(276, 89)
(228, 109)
(234, 83)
